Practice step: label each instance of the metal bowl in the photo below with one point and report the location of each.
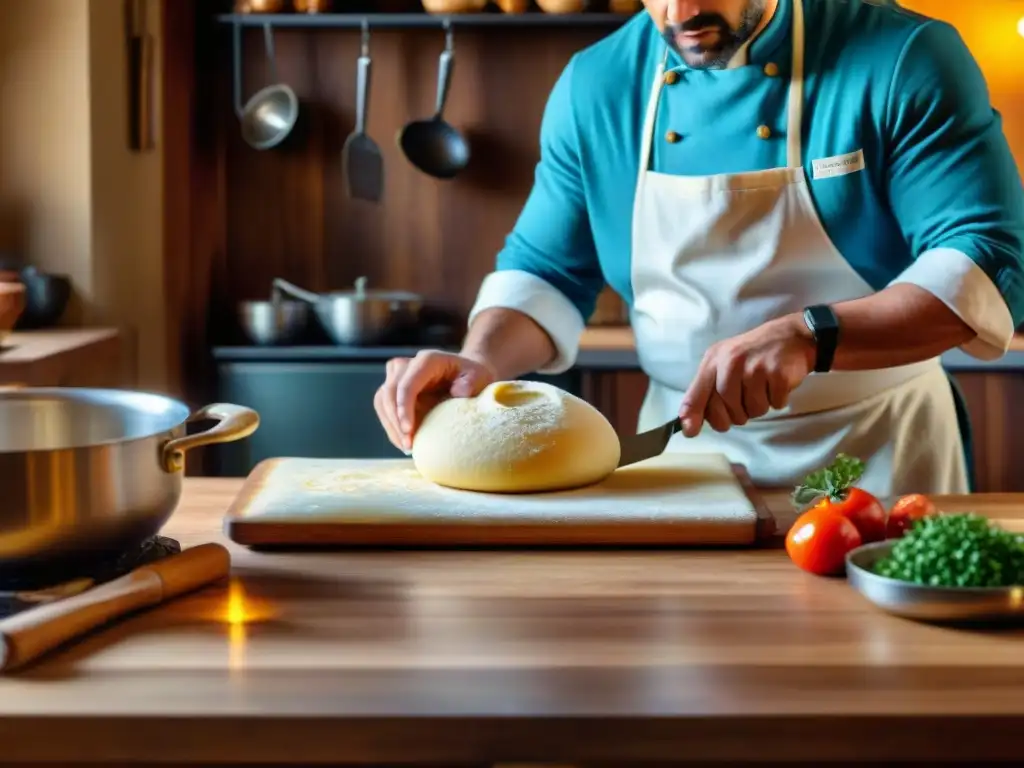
(267, 323)
(87, 473)
(924, 603)
(359, 317)
(269, 116)
(362, 321)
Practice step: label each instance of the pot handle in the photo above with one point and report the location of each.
(289, 289)
(235, 422)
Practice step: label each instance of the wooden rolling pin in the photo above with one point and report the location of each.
(31, 633)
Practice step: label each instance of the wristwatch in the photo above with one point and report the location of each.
(824, 326)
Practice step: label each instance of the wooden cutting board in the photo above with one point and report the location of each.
(673, 499)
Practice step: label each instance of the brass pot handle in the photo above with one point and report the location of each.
(235, 422)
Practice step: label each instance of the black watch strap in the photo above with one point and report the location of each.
(824, 326)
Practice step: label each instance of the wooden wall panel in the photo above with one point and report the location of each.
(287, 213)
(237, 217)
(194, 195)
(618, 395)
(995, 402)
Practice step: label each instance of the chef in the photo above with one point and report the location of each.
(803, 204)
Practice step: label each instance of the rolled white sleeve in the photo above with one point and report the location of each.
(964, 287)
(543, 303)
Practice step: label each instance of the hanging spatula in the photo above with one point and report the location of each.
(361, 157)
(647, 444)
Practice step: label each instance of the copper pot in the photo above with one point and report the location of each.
(312, 6)
(260, 6)
(12, 304)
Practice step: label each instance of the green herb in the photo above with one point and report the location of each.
(832, 482)
(961, 550)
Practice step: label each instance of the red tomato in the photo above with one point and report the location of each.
(863, 510)
(906, 511)
(819, 540)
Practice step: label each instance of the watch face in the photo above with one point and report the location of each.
(819, 318)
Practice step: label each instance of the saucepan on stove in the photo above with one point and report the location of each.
(359, 317)
(89, 473)
(273, 322)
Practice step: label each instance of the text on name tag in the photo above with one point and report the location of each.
(840, 165)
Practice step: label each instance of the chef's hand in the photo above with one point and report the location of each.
(742, 377)
(413, 386)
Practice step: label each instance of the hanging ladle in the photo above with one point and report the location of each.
(433, 145)
(270, 114)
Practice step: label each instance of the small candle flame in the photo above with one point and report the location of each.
(236, 609)
(242, 609)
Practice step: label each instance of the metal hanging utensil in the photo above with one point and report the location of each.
(362, 162)
(433, 145)
(270, 114)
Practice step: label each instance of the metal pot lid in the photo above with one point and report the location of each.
(360, 293)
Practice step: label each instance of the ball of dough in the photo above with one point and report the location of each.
(516, 437)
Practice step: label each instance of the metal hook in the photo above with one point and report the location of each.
(236, 58)
(365, 45)
(268, 42)
(449, 44)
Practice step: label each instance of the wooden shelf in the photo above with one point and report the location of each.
(404, 20)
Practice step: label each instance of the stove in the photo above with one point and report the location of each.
(19, 593)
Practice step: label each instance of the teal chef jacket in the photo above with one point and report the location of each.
(938, 201)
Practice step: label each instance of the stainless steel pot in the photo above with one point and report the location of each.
(359, 317)
(89, 473)
(277, 321)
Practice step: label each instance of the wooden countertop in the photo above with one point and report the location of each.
(570, 657)
(60, 357)
(614, 337)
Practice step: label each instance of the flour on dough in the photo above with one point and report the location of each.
(516, 437)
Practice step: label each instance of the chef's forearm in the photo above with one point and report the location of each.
(900, 325)
(509, 342)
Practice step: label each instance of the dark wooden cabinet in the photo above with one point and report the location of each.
(315, 410)
(995, 402)
(618, 395)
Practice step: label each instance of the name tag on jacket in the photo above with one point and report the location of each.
(839, 165)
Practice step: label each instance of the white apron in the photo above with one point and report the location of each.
(716, 256)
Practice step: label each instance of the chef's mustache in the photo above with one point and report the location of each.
(700, 21)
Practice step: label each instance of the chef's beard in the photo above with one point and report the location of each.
(724, 40)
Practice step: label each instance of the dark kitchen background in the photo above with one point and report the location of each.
(135, 183)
